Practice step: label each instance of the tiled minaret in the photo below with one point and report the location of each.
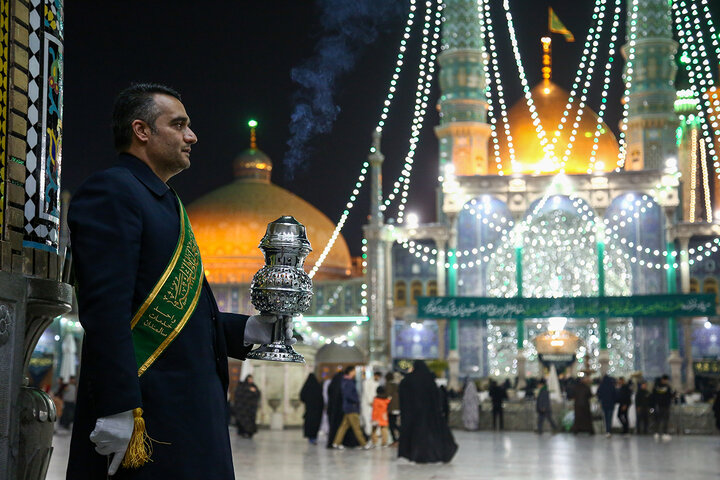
(463, 131)
(650, 134)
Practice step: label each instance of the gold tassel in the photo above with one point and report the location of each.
(140, 447)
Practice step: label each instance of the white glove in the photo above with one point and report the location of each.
(112, 436)
(258, 329)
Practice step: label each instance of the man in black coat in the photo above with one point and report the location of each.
(642, 408)
(624, 400)
(126, 229)
(661, 399)
(543, 406)
(498, 395)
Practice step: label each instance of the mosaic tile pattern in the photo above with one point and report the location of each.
(4, 69)
(44, 136)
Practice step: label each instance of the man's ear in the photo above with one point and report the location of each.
(141, 130)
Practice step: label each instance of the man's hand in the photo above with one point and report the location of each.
(111, 437)
(258, 329)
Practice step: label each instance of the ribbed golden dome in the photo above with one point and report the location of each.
(550, 103)
(230, 222)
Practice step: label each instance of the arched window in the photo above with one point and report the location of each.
(710, 285)
(694, 285)
(432, 290)
(400, 294)
(415, 291)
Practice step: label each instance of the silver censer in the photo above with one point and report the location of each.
(282, 287)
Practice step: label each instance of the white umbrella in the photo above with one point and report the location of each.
(554, 384)
(69, 349)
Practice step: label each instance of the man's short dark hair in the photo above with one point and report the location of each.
(348, 369)
(136, 103)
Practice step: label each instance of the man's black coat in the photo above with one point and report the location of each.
(124, 225)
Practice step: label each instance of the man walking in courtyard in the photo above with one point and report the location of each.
(154, 362)
(351, 410)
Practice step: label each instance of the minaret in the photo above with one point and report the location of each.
(376, 262)
(650, 135)
(463, 131)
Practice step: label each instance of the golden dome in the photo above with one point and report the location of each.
(230, 222)
(550, 103)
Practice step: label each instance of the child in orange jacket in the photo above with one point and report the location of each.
(380, 416)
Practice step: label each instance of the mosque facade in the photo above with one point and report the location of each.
(517, 217)
(511, 203)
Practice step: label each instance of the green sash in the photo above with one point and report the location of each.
(171, 302)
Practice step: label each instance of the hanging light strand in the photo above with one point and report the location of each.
(588, 58)
(495, 72)
(426, 69)
(523, 78)
(693, 49)
(599, 130)
(399, 63)
(628, 84)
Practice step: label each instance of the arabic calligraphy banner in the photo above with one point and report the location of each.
(669, 305)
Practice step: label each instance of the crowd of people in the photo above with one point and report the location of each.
(617, 398)
(410, 411)
(410, 414)
(654, 404)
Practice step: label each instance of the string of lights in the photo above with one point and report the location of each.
(706, 182)
(636, 206)
(693, 172)
(588, 78)
(481, 4)
(606, 85)
(399, 64)
(715, 101)
(495, 78)
(310, 335)
(422, 97)
(706, 83)
(523, 78)
(590, 48)
(696, 58)
(629, 66)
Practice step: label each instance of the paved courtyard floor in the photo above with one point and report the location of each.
(482, 455)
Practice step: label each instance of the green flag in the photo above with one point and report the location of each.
(556, 26)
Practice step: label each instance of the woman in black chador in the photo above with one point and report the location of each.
(424, 435)
(245, 405)
(583, 416)
(311, 395)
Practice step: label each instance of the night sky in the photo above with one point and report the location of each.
(232, 61)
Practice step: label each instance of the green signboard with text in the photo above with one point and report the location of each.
(667, 305)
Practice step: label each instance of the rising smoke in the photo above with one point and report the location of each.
(348, 26)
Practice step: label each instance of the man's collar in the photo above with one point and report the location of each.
(143, 173)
